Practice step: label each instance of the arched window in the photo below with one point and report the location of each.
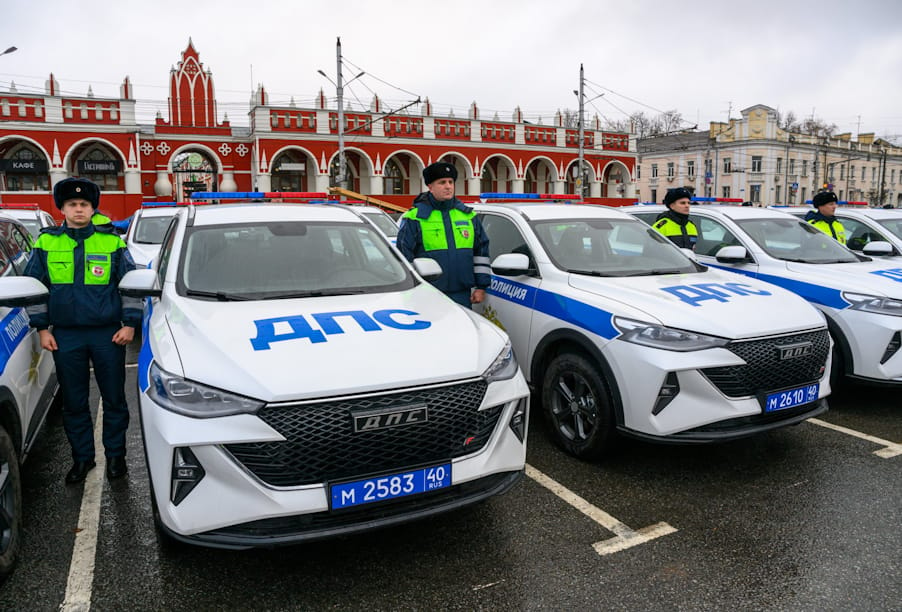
(392, 179)
(193, 171)
(25, 169)
(99, 165)
(289, 172)
(487, 180)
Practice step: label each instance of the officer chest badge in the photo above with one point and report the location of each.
(97, 271)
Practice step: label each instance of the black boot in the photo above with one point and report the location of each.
(79, 471)
(116, 467)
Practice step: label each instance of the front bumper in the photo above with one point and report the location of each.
(719, 392)
(231, 506)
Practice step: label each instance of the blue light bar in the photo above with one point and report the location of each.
(156, 204)
(509, 196)
(228, 195)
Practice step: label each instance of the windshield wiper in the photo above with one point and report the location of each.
(222, 296)
(660, 272)
(312, 293)
(588, 272)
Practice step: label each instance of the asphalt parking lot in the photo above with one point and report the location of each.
(803, 518)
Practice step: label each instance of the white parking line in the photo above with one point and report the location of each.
(625, 537)
(891, 449)
(81, 568)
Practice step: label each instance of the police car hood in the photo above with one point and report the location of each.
(825, 283)
(313, 347)
(711, 302)
(143, 253)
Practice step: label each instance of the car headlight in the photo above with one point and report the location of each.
(504, 367)
(667, 338)
(874, 303)
(194, 399)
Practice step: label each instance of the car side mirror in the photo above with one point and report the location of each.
(428, 268)
(877, 248)
(20, 291)
(140, 283)
(732, 254)
(511, 264)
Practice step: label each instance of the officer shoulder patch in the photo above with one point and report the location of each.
(661, 223)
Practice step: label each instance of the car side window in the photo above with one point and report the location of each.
(8, 248)
(504, 236)
(166, 250)
(18, 244)
(858, 234)
(712, 236)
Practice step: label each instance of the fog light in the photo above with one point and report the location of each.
(518, 420)
(892, 348)
(187, 472)
(666, 393)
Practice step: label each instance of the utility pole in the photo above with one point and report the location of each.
(882, 177)
(339, 90)
(579, 181)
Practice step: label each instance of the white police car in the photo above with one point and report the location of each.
(861, 297)
(619, 330)
(30, 215)
(145, 231)
(27, 382)
(865, 228)
(299, 380)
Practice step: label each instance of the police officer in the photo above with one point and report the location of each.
(441, 227)
(85, 322)
(674, 222)
(823, 216)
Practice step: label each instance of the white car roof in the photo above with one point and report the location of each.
(544, 212)
(157, 211)
(732, 212)
(217, 214)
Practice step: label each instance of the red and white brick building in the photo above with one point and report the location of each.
(45, 138)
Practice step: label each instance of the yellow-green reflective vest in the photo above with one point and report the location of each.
(98, 261)
(100, 219)
(433, 229)
(830, 228)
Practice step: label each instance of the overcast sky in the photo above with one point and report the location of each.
(839, 60)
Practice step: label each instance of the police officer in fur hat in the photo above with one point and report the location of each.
(85, 322)
(823, 216)
(674, 222)
(441, 227)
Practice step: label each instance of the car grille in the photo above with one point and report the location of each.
(321, 445)
(765, 371)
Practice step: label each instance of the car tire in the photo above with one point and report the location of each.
(577, 405)
(838, 365)
(10, 505)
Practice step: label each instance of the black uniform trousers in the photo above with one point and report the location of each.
(78, 348)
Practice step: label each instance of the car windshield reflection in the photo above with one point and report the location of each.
(610, 247)
(289, 260)
(794, 240)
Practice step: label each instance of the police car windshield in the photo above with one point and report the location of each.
(893, 225)
(795, 240)
(610, 247)
(383, 222)
(150, 230)
(272, 260)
